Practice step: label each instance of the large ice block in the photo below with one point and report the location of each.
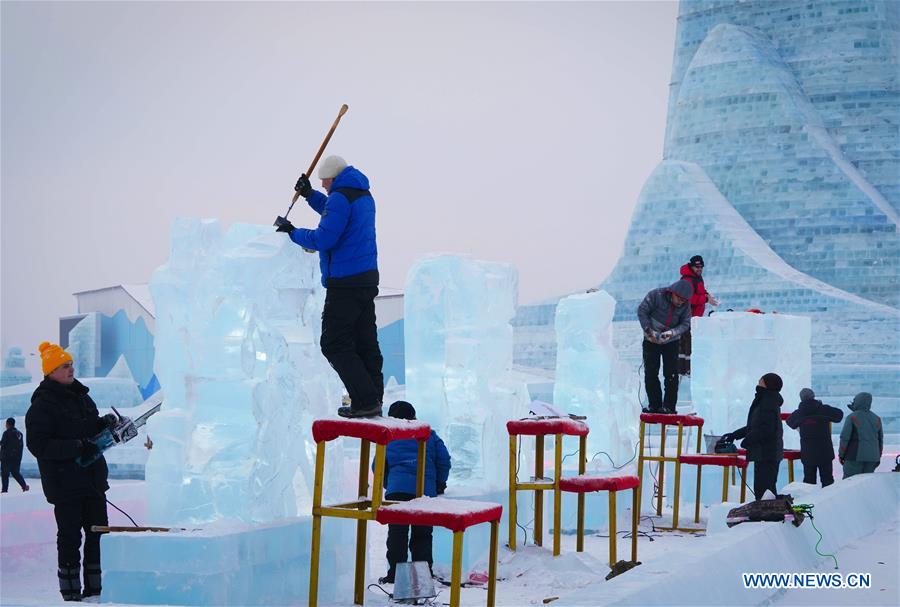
(237, 352)
(588, 377)
(459, 359)
(732, 350)
(14, 371)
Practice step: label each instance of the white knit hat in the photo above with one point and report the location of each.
(331, 167)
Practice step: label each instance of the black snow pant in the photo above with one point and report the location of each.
(669, 354)
(825, 469)
(684, 353)
(73, 516)
(765, 475)
(399, 538)
(8, 468)
(350, 343)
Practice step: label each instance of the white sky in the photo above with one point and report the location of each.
(517, 132)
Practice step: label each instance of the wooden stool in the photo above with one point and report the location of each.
(539, 428)
(585, 483)
(376, 430)
(457, 516)
(682, 421)
(791, 455)
(726, 461)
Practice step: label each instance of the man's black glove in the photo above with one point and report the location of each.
(285, 226)
(728, 437)
(109, 420)
(88, 450)
(303, 186)
(441, 487)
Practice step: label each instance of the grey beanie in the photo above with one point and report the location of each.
(331, 167)
(807, 394)
(682, 289)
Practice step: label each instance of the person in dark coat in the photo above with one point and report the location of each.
(814, 420)
(401, 465)
(763, 435)
(664, 315)
(11, 447)
(58, 425)
(348, 258)
(862, 438)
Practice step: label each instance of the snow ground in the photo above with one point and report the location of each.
(528, 577)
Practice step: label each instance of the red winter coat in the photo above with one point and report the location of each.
(698, 299)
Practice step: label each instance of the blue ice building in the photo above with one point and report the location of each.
(781, 168)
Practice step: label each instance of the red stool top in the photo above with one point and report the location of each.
(713, 460)
(789, 454)
(379, 430)
(585, 483)
(671, 420)
(551, 425)
(784, 416)
(455, 515)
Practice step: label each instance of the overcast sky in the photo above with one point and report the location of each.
(516, 132)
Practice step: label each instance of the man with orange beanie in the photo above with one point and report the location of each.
(58, 427)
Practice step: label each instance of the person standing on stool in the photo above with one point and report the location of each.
(11, 447)
(664, 315)
(58, 425)
(763, 435)
(400, 468)
(348, 258)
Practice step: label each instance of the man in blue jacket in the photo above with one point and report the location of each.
(400, 468)
(348, 258)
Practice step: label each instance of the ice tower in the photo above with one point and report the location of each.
(780, 168)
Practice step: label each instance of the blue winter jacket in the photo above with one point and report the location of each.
(400, 465)
(345, 237)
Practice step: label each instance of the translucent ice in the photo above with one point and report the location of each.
(732, 350)
(237, 329)
(14, 371)
(459, 358)
(587, 381)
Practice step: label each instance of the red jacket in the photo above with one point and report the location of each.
(698, 299)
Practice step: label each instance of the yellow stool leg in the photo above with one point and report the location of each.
(512, 491)
(557, 496)
(677, 504)
(635, 519)
(316, 526)
(697, 497)
(456, 568)
(640, 468)
(790, 471)
(612, 528)
(725, 485)
(662, 470)
(538, 494)
(582, 451)
(743, 485)
(420, 469)
(359, 579)
(732, 475)
(492, 565)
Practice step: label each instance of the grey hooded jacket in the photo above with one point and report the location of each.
(862, 437)
(658, 314)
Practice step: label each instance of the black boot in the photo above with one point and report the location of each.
(373, 411)
(91, 580)
(69, 582)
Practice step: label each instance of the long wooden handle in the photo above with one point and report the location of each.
(312, 166)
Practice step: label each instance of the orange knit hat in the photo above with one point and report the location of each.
(52, 356)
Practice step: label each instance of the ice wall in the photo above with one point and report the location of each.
(237, 332)
(14, 371)
(458, 359)
(732, 350)
(589, 374)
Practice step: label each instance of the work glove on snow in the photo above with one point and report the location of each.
(303, 186)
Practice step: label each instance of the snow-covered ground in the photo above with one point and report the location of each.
(529, 576)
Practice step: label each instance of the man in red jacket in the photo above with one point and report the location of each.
(692, 272)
